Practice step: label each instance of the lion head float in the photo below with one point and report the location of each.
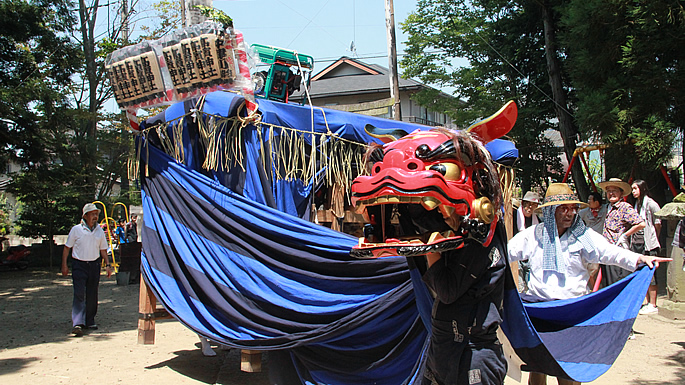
(430, 191)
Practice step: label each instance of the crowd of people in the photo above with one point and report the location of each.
(626, 219)
(123, 232)
(562, 252)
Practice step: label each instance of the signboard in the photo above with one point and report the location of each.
(189, 62)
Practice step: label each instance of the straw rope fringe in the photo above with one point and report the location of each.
(285, 153)
(507, 183)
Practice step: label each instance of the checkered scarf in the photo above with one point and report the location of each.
(552, 259)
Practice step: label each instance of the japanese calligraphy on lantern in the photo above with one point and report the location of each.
(188, 62)
(199, 62)
(136, 80)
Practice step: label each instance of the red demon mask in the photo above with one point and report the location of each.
(420, 195)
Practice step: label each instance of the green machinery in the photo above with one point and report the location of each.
(285, 73)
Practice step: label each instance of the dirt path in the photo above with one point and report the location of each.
(655, 357)
(36, 347)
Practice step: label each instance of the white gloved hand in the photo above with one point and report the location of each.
(623, 242)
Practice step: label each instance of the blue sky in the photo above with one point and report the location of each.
(323, 29)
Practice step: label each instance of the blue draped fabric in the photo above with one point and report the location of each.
(578, 338)
(251, 277)
(226, 253)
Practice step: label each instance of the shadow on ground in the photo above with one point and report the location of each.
(192, 364)
(678, 361)
(22, 291)
(10, 365)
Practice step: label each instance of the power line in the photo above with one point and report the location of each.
(375, 55)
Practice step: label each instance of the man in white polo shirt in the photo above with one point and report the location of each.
(88, 244)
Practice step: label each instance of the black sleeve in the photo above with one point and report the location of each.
(469, 274)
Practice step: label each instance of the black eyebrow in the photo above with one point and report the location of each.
(444, 150)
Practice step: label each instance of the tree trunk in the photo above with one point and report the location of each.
(88, 17)
(566, 125)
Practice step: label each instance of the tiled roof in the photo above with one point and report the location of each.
(356, 81)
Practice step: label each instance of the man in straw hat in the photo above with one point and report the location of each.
(621, 222)
(89, 246)
(560, 251)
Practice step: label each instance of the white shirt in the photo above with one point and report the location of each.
(550, 285)
(86, 244)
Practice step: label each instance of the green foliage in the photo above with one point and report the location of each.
(595, 167)
(167, 18)
(651, 141)
(51, 198)
(621, 67)
(502, 42)
(625, 65)
(51, 125)
(5, 223)
(37, 61)
(216, 15)
(115, 149)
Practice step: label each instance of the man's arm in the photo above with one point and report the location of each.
(108, 266)
(631, 216)
(635, 228)
(634, 218)
(610, 254)
(65, 254)
(518, 242)
(652, 261)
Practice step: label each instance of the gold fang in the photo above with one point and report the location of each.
(447, 211)
(429, 203)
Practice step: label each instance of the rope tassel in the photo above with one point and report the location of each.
(285, 152)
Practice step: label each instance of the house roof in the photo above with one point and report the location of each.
(349, 76)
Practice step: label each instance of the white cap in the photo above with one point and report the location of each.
(90, 207)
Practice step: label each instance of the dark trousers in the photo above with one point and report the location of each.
(463, 362)
(612, 274)
(86, 278)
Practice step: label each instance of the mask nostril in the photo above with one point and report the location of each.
(377, 169)
(412, 166)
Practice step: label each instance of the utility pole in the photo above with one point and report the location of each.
(392, 59)
(193, 15)
(124, 21)
(184, 18)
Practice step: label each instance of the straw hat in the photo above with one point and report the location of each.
(560, 194)
(625, 187)
(90, 207)
(531, 197)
